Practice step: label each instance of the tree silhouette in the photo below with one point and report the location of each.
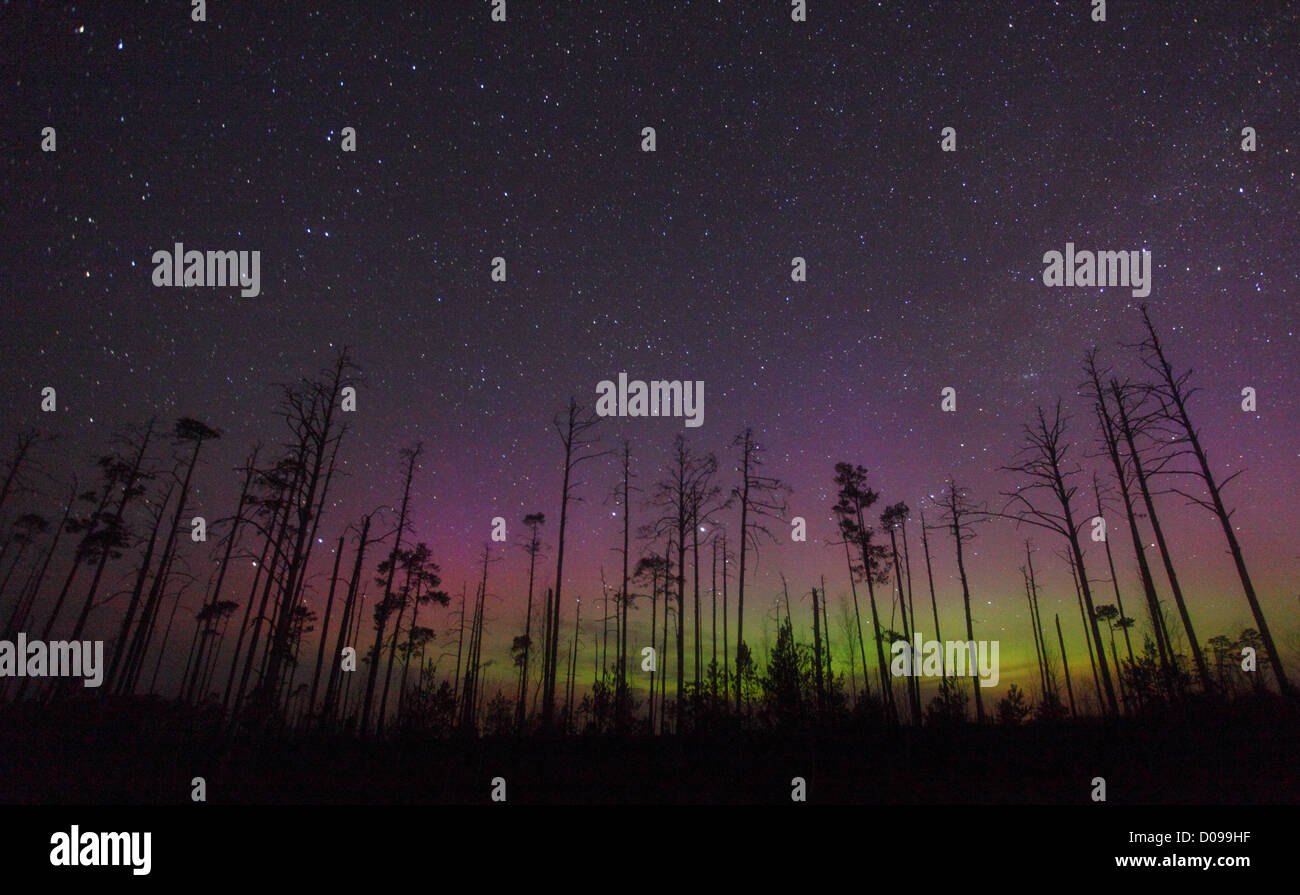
(761, 498)
(1012, 709)
(1111, 438)
(961, 514)
(1044, 460)
(1173, 393)
(388, 570)
(533, 522)
(574, 428)
(855, 498)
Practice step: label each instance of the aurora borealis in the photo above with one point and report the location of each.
(775, 140)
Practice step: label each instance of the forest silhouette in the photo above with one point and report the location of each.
(350, 701)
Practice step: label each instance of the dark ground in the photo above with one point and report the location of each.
(140, 752)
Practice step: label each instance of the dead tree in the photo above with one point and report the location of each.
(533, 522)
(27, 596)
(1111, 440)
(891, 519)
(1065, 663)
(1110, 562)
(652, 567)
(384, 608)
(857, 615)
(325, 624)
(15, 479)
(704, 500)
(132, 487)
(1130, 426)
(929, 576)
(250, 473)
(1093, 656)
(1044, 460)
(474, 654)
(347, 624)
(761, 498)
(1048, 673)
(1033, 622)
(961, 514)
(574, 428)
(1174, 393)
(311, 409)
(674, 496)
(622, 692)
(280, 481)
(854, 499)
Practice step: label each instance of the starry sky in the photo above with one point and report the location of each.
(775, 139)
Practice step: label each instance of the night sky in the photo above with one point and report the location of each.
(775, 139)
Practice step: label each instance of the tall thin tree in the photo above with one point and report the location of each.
(1044, 463)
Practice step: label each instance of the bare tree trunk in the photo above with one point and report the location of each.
(663, 676)
(1065, 663)
(1126, 428)
(460, 645)
(276, 533)
(1110, 436)
(27, 597)
(697, 642)
(817, 655)
(886, 683)
(26, 440)
(186, 430)
(681, 619)
(200, 627)
(1048, 451)
(1110, 562)
(1038, 623)
(392, 647)
(534, 522)
(970, 629)
(411, 454)
(1038, 646)
(913, 681)
(469, 721)
(573, 432)
(78, 559)
(826, 626)
(572, 684)
(546, 640)
(622, 686)
(1083, 617)
(128, 492)
(325, 625)
(745, 456)
(929, 577)
(349, 622)
(346, 687)
(1176, 396)
(230, 547)
(288, 498)
(907, 570)
(313, 410)
(713, 625)
(162, 644)
(654, 617)
(857, 615)
(726, 662)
